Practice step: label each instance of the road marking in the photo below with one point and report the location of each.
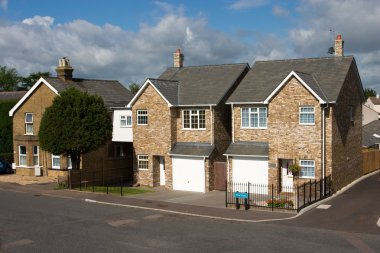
(323, 206)
(357, 243)
(183, 213)
(378, 223)
(153, 217)
(118, 223)
(17, 244)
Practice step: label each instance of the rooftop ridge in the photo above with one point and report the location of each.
(86, 79)
(310, 58)
(211, 65)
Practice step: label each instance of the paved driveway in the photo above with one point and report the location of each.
(356, 210)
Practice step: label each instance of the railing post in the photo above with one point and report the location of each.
(226, 193)
(297, 198)
(69, 179)
(315, 190)
(272, 199)
(80, 180)
(121, 187)
(304, 193)
(310, 191)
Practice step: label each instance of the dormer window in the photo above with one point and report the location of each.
(29, 123)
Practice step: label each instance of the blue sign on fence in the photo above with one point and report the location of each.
(241, 195)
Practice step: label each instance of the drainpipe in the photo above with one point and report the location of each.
(324, 146)
(212, 125)
(228, 170)
(233, 123)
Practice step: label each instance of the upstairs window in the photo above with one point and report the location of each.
(29, 123)
(307, 115)
(142, 117)
(194, 119)
(125, 121)
(254, 117)
(351, 113)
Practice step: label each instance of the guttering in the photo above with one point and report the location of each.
(212, 125)
(202, 156)
(324, 146)
(233, 123)
(258, 156)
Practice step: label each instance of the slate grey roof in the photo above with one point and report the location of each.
(192, 149)
(248, 149)
(12, 95)
(324, 75)
(113, 93)
(375, 100)
(369, 130)
(168, 88)
(204, 85)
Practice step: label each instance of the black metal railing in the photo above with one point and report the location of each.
(276, 197)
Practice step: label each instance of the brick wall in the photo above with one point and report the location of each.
(347, 135)
(287, 138)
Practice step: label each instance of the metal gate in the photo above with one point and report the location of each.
(220, 173)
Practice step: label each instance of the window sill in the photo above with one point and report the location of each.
(29, 134)
(195, 129)
(306, 177)
(143, 169)
(255, 128)
(126, 127)
(307, 124)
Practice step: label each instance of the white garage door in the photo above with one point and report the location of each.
(188, 174)
(252, 170)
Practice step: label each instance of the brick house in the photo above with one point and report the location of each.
(27, 114)
(181, 124)
(304, 111)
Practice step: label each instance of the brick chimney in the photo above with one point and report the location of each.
(178, 58)
(339, 44)
(64, 70)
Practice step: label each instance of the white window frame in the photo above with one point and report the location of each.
(125, 121)
(254, 110)
(194, 113)
(307, 166)
(306, 113)
(36, 156)
(28, 124)
(23, 156)
(142, 162)
(140, 115)
(69, 164)
(52, 162)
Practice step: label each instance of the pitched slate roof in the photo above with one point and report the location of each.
(113, 93)
(168, 88)
(259, 149)
(368, 131)
(192, 149)
(204, 85)
(325, 76)
(11, 95)
(375, 100)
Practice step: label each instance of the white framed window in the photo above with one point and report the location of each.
(142, 162)
(307, 115)
(36, 158)
(22, 155)
(125, 121)
(142, 117)
(29, 123)
(351, 113)
(254, 117)
(193, 119)
(56, 161)
(307, 169)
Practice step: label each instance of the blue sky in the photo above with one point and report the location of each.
(131, 40)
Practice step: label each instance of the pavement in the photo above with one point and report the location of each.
(211, 204)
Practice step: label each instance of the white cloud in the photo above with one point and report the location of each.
(280, 11)
(4, 4)
(38, 20)
(246, 4)
(109, 52)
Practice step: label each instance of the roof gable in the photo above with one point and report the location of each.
(298, 75)
(30, 92)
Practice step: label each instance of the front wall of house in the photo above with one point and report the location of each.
(347, 135)
(193, 135)
(287, 138)
(153, 139)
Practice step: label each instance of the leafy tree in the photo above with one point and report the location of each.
(29, 81)
(369, 92)
(134, 88)
(75, 124)
(8, 78)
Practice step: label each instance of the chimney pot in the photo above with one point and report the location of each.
(64, 69)
(178, 58)
(339, 45)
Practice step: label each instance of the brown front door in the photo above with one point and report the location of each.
(220, 173)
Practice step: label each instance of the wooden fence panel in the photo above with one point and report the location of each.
(371, 161)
